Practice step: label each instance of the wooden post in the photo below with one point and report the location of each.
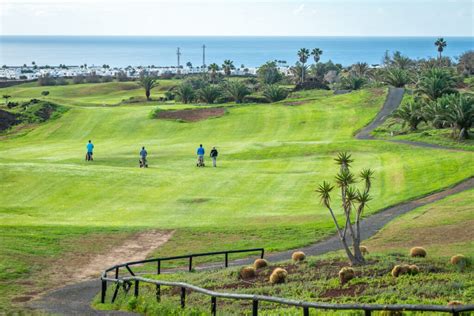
(116, 273)
(213, 305)
(263, 252)
(305, 311)
(367, 312)
(190, 263)
(103, 291)
(183, 297)
(159, 267)
(158, 293)
(254, 308)
(137, 284)
(226, 259)
(115, 292)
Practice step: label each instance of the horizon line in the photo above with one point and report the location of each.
(137, 35)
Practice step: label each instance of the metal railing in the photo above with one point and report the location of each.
(126, 283)
(158, 261)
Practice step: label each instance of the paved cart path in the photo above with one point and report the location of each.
(75, 299)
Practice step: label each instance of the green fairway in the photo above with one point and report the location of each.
(87, 94)
(272, 157)
(444, 228)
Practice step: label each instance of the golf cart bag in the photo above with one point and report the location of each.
(143, 163)
(200, 162)
(89, 156)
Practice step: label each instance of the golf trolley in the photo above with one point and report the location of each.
(143, 163)
(89, 157)
(200, 162)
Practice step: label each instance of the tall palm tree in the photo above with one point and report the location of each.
(303, 55)
(228, 66)
(441, 44)
(316, 52)
(148, 83)
(213, 68)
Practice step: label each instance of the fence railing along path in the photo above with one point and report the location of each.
(126, 283)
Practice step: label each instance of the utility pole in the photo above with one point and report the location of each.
(178, 54)
(203, 56)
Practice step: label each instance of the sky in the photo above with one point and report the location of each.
(238, 17)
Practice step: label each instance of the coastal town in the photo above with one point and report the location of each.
(33, 71)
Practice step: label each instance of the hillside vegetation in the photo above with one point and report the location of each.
(271, 158)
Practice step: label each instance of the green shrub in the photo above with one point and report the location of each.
(275, 93)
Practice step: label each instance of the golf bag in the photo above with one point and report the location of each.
(200, 162)
(143, 163)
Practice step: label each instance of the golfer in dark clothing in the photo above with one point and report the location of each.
(143, 155)
(213, 155)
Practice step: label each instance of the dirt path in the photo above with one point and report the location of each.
(75, 299)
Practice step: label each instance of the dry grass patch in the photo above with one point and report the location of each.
(191, 115)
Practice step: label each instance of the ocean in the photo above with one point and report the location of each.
(122, 51)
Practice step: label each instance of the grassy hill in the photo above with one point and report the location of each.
(442, 228)
(271, 159)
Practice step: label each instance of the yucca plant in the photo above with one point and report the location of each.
(354, 201)
(209, 93)
(274, 93)
(236, 90)
(185, 92)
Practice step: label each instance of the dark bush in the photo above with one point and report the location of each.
(255, 99)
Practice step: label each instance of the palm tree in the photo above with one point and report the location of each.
(148, 83)
(214, 68)
(228, 66)
(185, 92)
(436, 82)
(360, 69)
(397, 77)
(441, 44)
(6, 97)
(298, 70)
(316, 52)
(236, 90)
(274, 93)
(303, 55)
(460, 115)
(209, 94)
(410, 113)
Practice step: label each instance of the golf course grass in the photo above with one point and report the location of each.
(271, 159)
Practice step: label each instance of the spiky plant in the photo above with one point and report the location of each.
(410, 113)
(435, 83)
(397, 77)
(185, 92)
(460, 115)
(354, 201)
(236, 90)
(274, 93)
(209, 93)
